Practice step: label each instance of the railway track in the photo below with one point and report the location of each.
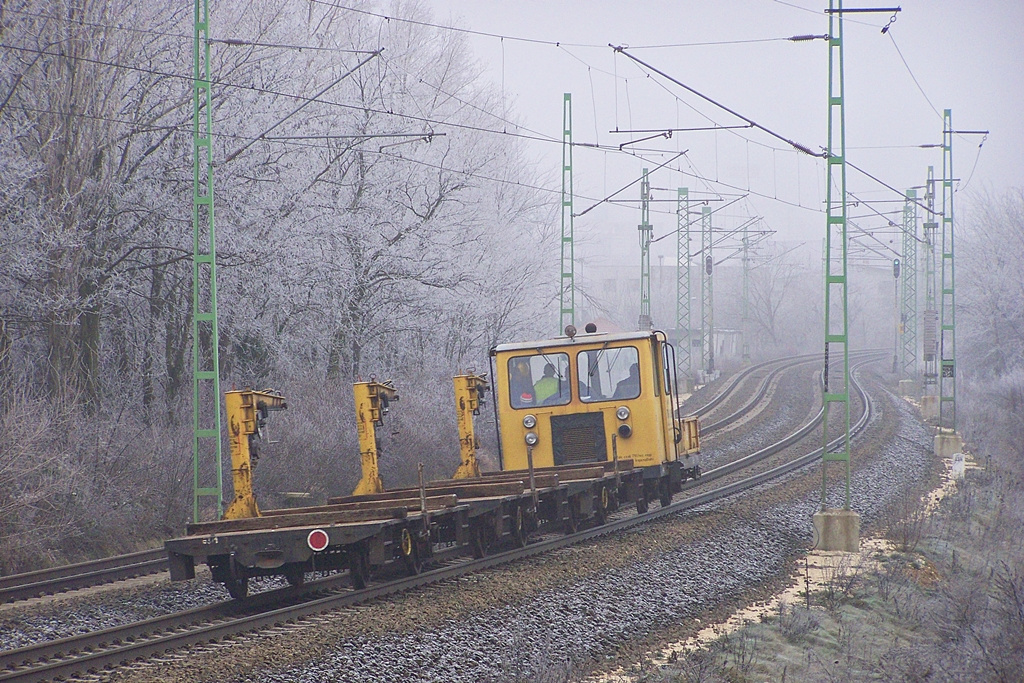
(741, 377)
(759, 395)
(82, 575)
(114, 647)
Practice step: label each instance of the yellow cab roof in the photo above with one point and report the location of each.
(581, 339)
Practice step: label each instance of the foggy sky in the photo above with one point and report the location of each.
(966, 56)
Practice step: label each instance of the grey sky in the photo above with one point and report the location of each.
(967, 56)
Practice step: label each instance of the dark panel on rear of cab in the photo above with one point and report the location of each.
(578, 438)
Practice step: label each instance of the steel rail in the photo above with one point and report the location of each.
(792, 439)
(736, 381)
(81, 575)
(757, 398)
(151, 636)
(790, 363)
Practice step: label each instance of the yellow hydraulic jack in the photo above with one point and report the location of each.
(372, 399)
(470, 391)
(247, 412)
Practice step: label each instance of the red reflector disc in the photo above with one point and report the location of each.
(317, 540)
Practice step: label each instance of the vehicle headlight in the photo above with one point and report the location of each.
(622, 412)
(625, 431)
(530, 421)
(531, 438)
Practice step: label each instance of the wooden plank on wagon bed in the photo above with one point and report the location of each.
(502, 476)
(543, 480)
(480, 506)
(580, 473)
(433, 503)
(467, 488)
(308, 519)
(608, 466)
(566, 472)
(394, 496)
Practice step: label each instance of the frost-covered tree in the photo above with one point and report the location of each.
(86, 115)
(372, 218)
(990, 323)
(397, 215)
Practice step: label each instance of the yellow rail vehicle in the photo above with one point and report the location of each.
(595, 398)
(586, 424)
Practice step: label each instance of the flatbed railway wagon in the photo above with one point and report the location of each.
(566, 462)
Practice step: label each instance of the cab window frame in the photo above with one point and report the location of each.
(563, 373)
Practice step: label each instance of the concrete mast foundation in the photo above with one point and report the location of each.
(837, 530)
(947, 444)
(930, 408)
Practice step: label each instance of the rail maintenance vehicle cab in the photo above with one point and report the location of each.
(595, 397)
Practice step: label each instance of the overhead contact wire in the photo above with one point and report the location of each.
(454, 29)
(797, 146)
(754, 124)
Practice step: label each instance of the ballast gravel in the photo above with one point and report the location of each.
(791, 407)
(555, 627)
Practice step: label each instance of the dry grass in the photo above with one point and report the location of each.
(946, 605)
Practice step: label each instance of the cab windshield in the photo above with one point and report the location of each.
(608, 374)
(540, 379)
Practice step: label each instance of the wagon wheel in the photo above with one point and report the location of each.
(410, 554)
(358, 568)
(665, 493)
(295, 576)
(641, 502)
(613, 499)
(237, 588)
(518, 528)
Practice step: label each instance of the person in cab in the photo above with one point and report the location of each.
(547, 386)
(629, 387)
(522, 391)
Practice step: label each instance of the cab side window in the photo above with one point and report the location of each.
(667, 360)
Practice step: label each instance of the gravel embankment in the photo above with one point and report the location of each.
(588, 605)
(705, 393)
